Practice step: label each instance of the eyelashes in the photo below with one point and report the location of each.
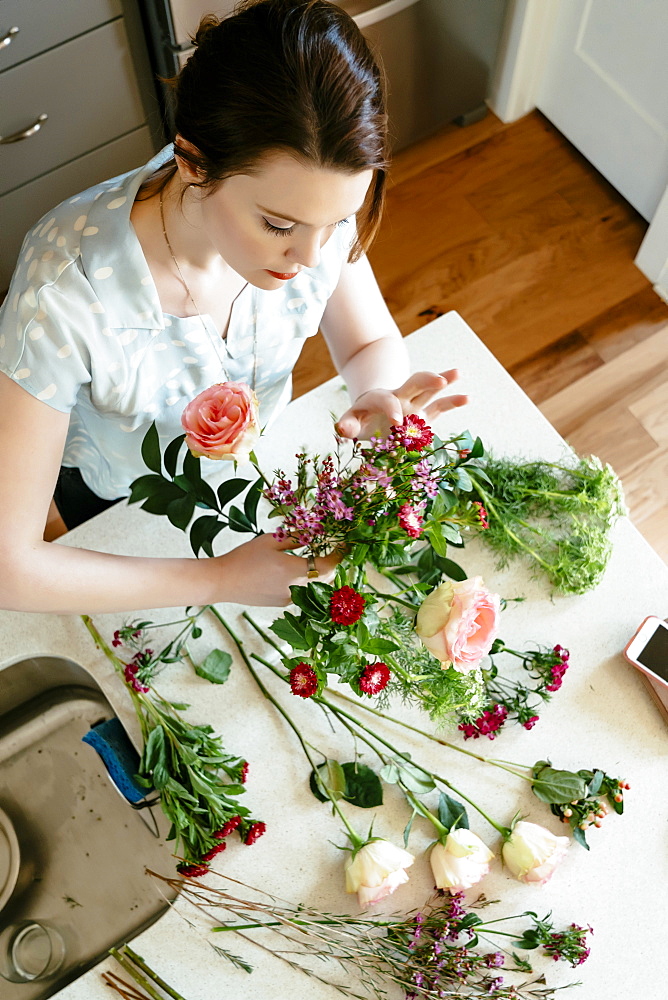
(280, 231)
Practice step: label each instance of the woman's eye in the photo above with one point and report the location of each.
(278, 230)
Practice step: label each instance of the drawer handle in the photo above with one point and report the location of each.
(8, 37)
(26, 133)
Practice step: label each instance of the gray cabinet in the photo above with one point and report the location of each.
(72, 108)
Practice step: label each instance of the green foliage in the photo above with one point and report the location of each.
(557, 516)
(354, 782)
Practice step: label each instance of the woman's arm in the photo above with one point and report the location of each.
(368, 350)
(43, 576)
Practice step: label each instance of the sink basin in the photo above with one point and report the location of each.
(83, 848)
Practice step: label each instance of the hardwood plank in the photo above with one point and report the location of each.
(618, 439)
(652, 412)
(629, 375)
(557, 366)
(627, 323)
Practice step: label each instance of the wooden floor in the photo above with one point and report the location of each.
(513, 228)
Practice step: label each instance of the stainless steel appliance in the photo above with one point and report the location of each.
(438, 54)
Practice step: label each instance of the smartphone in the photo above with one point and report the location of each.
(648, 649)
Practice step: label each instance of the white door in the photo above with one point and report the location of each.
(605, 86)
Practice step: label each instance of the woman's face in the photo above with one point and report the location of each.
(271, 224)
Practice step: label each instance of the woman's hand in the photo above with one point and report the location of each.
(260, 572)
(374, 412)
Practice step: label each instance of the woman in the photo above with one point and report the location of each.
(211, 263)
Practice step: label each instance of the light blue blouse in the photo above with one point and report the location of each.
(82, 329)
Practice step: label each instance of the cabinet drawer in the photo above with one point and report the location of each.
(88, 89)
(43, 24)
(20, 209)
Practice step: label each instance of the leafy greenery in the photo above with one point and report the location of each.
(558, 516)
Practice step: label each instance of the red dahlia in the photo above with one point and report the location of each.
(414, 433)
(303, 680)
(255, 832)
(346, 606)
(374, 678)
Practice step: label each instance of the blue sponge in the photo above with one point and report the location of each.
(119, 757)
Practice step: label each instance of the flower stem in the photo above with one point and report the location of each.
(139, 961)
(141, 980)
(355, 839)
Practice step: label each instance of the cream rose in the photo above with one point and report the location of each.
(532, 853)
(376, 870)
(458, 622)
(461, 862)
(222, 422)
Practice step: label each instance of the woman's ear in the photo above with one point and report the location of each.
(188, 173)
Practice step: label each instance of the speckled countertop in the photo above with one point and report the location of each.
(602, 717)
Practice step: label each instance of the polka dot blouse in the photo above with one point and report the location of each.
(82, 330)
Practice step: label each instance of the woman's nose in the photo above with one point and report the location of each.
(304, 251)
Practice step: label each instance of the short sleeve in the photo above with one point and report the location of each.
(45, 327)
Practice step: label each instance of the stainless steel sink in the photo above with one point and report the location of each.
(83, 848)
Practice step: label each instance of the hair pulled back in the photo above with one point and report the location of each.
(284, 75)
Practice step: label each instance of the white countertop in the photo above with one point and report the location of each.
(602, 717)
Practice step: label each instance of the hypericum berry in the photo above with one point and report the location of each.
(346, 606)
(303, 680)
(374, 678)
(255, 832)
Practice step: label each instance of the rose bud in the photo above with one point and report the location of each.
(222, 422)
(376, 870)
(460, 862)
(458, 622)
(532, 852)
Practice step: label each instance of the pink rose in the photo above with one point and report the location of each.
(222, 422)
(532, 852)
(460, 862)
(458, 622)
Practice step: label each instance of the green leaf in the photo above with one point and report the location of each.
(154, 750)
(150, 449)
(238, 521)
(216, 667)
(205, 495)
(203, 531)
(436, 535)
(555, 786)
(451, 533)
(378, 646)
(181, 510)
(478, 449)
(414, 779)
(363, 786)
(463, 480)
(192, 467)
(231, 488)
(451, 569)
(144, 487)
(579, 836)
(290, 630)
(251, 500)
(172, 453)
(408, 828)
(451, 813)
(332, 776)
(390, 774)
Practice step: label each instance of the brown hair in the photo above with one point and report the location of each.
(290, 75)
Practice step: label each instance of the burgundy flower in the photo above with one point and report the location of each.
(117, 641)
(530, 723)
(244, 772)
(210, 854)
(410, 520)
(374, 678)
(303, 680)
(255, 832)
(488, 724)
(228, 828)
(192, 870)
(346, 606)
(414, 433)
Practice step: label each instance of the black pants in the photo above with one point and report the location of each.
(77, 503)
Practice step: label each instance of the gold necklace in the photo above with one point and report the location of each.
(192, 299)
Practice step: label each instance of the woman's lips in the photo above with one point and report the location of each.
(281, 274)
